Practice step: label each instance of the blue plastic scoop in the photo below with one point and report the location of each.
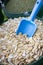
(28, 27)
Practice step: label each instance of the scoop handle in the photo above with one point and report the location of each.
(36, 9)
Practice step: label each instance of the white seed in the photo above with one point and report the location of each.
(24, 54)
(10, 56)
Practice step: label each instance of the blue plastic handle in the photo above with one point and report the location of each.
(36, 9)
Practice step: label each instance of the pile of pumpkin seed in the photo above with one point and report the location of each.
(20, 49)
